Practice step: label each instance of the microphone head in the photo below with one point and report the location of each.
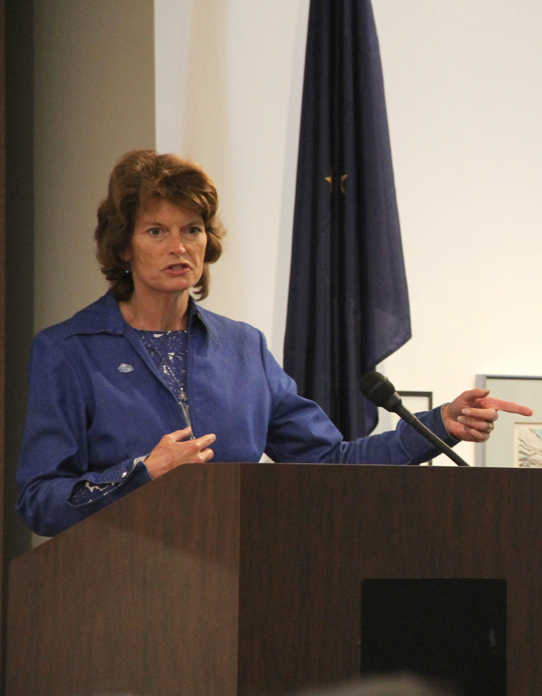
(380, 391)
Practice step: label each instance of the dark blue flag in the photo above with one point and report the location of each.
(348, 300)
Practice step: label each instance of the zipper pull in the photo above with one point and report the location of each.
(183, 403)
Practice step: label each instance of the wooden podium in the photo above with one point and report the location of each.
(247, 578)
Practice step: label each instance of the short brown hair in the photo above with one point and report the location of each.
(138, 177)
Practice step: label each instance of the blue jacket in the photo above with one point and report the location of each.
(97, 405)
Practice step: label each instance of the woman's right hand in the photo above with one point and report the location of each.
(174, 449)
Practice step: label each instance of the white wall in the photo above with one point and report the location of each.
(464, 106)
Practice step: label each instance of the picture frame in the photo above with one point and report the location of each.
(516, 440)
(414, 401)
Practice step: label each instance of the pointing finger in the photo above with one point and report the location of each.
(508, 406)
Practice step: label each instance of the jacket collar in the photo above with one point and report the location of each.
(104, 316)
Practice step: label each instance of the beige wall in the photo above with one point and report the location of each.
(94, 99)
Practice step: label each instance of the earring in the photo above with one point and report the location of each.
(126, 270)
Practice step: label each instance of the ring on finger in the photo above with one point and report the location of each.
(490, 427)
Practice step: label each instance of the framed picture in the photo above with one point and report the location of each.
(414, 401)
(528, 445)
(516, 440)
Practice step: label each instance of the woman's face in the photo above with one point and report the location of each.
(167, 249)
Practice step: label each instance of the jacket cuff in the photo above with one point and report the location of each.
(97, 485)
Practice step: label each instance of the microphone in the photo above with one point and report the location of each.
(381, 392)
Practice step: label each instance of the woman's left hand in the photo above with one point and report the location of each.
(472, 415)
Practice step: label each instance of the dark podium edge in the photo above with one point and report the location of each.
(246, 578)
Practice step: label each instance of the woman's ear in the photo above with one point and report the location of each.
(126, 256)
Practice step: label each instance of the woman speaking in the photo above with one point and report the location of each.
(144, 380)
